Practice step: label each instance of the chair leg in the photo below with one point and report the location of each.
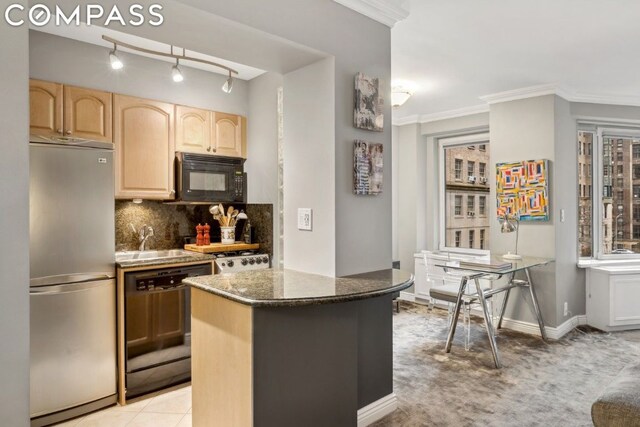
(456, 312)
(466, 318)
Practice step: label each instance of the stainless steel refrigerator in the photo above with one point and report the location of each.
(72, 289)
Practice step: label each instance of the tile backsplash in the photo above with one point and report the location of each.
(174, 224)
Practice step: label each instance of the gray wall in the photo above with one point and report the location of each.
(14, 226)
(68, 61)
(362, 232)
(521, 130)
(262, 147)
(309, 168)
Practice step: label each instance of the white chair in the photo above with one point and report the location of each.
(445, 288)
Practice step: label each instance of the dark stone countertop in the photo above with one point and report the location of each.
(160, 262)
(288, 288)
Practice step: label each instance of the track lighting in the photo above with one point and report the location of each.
(176, 74)
(116, 64)
(228, 85)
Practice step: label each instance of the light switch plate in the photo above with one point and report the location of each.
(305, 219)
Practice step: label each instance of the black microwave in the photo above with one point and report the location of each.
(202, 178)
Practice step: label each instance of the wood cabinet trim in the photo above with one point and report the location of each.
(55, 91)
(72, 96)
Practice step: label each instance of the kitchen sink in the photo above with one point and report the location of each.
(144, 255)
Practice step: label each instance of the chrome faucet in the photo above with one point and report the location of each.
(143, 234)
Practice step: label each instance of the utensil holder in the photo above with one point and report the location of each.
(227, 235)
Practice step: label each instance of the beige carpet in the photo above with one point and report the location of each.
(541, 384)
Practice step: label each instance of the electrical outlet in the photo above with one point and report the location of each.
(566, 309)
(305, 219)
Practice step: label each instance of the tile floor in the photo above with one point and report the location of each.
(166, 409)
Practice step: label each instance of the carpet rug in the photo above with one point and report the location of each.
(540, 384)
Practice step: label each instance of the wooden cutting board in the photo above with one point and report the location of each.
(219, 247)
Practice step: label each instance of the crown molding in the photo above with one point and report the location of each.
(442, 115)
(387, 12)
(632, 101)
(526, 92)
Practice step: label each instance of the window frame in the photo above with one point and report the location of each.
(451, 142)
(600, 132)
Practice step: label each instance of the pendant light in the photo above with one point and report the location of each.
(116, 63)
(227, 87)
(176, 74)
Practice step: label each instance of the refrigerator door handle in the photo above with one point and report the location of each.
(69, 278)
(67, 288)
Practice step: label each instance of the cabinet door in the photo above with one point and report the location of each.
(193, 130)
(144, 148)
(45, 108)
(87, 114)
(229, 135)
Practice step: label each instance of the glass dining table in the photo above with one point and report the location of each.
(493, 268)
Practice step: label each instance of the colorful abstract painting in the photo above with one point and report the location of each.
(522, 190)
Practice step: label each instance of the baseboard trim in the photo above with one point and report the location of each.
(377, 410)
(554, 333)
(407, 296)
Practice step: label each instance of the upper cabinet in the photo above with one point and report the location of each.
(56, 110)
(45, 108)
(144, 148)
(87, 114)
(229, 135)
(193, 130)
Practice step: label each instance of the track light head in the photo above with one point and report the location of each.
(227, 87)
(176, 74)
(116, 63)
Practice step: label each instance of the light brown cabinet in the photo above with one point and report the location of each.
(193, 130)
(87, 114)
(229, 135)
(45, 108)
(56, 110)
(144, 148)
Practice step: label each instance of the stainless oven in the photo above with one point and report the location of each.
(210, 179)
(158, 328)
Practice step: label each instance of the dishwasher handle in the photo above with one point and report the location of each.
(69, 288)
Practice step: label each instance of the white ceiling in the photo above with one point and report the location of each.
(93, 35)
(457, 51)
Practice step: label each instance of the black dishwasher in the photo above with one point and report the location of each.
(158, 328)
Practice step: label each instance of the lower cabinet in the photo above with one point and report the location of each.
(613, 294)
(144, 148)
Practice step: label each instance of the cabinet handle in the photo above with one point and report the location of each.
(208, 148)
(68, 132)
(172, 192)
(59, 131)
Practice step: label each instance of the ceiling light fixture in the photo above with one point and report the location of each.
(176, 74)
(116, 63)
(399, 96)
(227, 87)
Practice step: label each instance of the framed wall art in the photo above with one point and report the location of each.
(367, 113)
(367, 167)
(522, 190)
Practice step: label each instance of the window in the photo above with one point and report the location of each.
(482, 147)
(460, 203)
(471, 205)
(458, 169)
(608, 216)
(471, 147)
(481, 239)
(458, 206)
(472, 234)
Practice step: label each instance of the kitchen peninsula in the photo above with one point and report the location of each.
(285, 348)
